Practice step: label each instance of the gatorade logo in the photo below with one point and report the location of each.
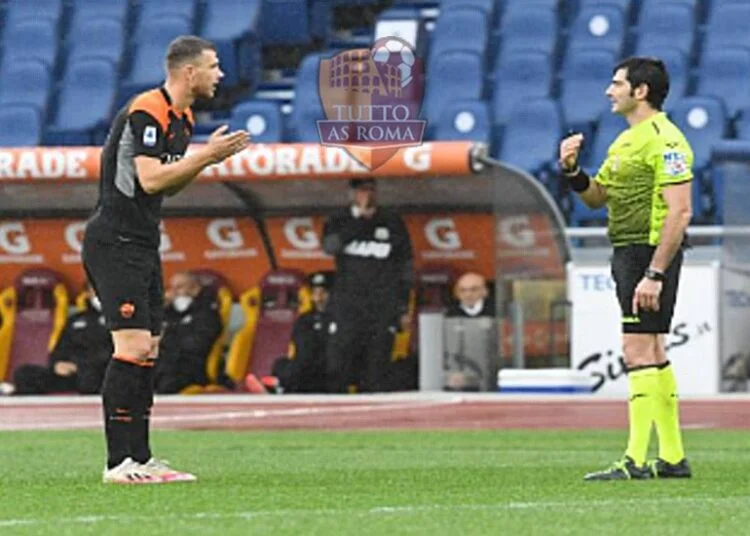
(300, 233)
(224, 234)
(13, 238)
(517, 232)
(73, 235)
(441, 234)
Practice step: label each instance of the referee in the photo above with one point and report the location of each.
(645, 185)
(143, 160)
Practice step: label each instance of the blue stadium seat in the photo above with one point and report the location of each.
(512, 5)
(703, 120)
(532, 28)
(672, 25)
(600, 27)
(285, 22)
(485, 6)
(623, 5)
(31, 39)
(20, 126)
(531, 136)
(307, 107)
(725, 74)
(585, 77)
(519, 76)
(84, 104)
(581, 215)
(233, 26)
(742, 124)
(678, 68)
(610, 126)
(454, 76)
(464, 120)
(460, 29)
(262, 119)
(147, 69)
(20, 10)
(727, 26)
(151, 9)
(101, 38)
(27, 83)
(648, 5)
(83, 10)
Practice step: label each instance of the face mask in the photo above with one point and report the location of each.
(181, 303)
(95, 303)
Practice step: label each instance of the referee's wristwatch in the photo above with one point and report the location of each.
(654, 275)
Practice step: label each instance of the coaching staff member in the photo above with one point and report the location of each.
(141, 162)
(645, 184)
(374, 275)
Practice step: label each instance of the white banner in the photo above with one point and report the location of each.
(735, 320)
(692, 345)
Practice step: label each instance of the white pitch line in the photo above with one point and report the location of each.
(387, 510)
(234, 415)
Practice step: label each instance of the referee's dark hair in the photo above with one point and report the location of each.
(186, 48)
(649, 71)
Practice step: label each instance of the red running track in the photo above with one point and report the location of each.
(373, 413)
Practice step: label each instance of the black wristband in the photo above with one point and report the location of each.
(654, 275)
(580, 181)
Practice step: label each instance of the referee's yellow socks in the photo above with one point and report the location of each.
(667, 417)
(644, 390)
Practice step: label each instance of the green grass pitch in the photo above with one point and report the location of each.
(389, 483)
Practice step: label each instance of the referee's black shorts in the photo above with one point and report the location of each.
(127, 278)
(628, 266)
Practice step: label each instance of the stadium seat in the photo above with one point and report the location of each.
(25, 82)
(35, 309)
(20, 126)
(22, 10)
(454, 76)
(262, 119)
(648, 5)
(672, 25)
(531, 28)
(743, 124)
(99, 38)
(703, 120)
(463, 120)
(459, 29)
(531, 135)
(585, 77)
(84, 104)
(147, 69)
(434, 286)
(727, 26)
(725, 74)
(285, 22)
(306, 110)
(610, 126)
(512, 5)
(597, 27)
(31, 39)
(86, 10)
(485, 6)
(519, 76)
(233, 26)
(153, 9)
(270, 311)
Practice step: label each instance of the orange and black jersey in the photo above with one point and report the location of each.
(148, 125)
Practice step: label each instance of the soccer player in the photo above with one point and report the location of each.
(143, 160)
(645, 184)
(370, 298)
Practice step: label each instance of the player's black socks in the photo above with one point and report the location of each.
(139, 439)
(119, 393)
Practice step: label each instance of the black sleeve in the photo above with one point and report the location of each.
(404, 256)
(148, 136)
(338, 231)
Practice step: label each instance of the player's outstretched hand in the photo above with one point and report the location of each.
(223, 145)
(569, 149)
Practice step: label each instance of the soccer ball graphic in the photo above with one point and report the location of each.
(399, 54)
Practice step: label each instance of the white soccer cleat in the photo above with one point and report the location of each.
(129, 472)
(160, 470)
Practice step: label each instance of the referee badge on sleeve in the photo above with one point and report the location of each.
(675, 163)
(149, 136)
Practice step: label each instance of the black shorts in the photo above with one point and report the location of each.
(628, 265)
(127, 278)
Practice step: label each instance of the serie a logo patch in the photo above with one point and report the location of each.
(675, 163)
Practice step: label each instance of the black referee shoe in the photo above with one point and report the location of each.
(663, 469)
(625, 469)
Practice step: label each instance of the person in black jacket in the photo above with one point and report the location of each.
(303, 370)
(374, 275)
(471, 291)
(191, 326)
(78, 361)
